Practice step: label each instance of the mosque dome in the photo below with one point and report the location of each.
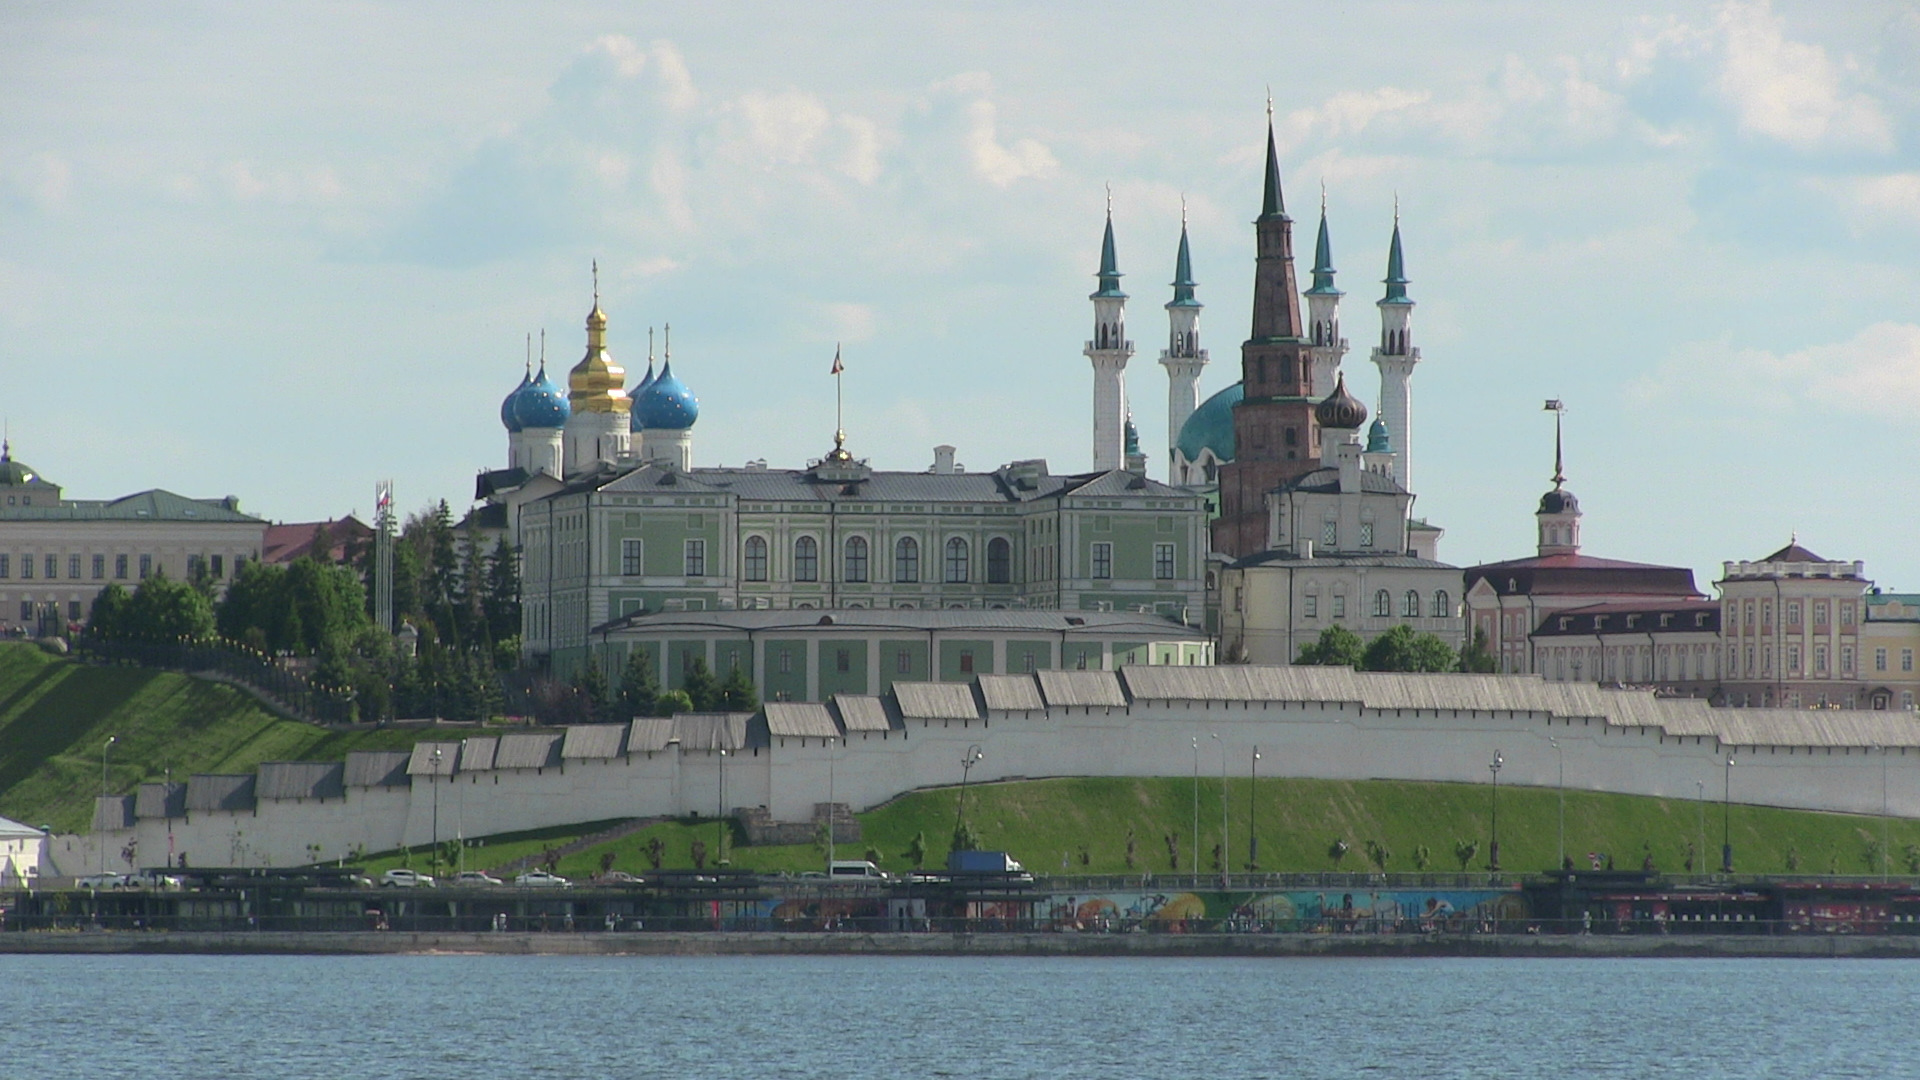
(1559, 501)
(14, 473)
(635, 424)
(511, 400)
(1210, 427)
(541, 404)
(1378, 441)
(666, 404)
(1341, 410)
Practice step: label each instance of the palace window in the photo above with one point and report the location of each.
(1102, 560)
(26, 568)
(999, 561)
(6, 566)
(1383, 603)
(1410, 605)
(1442, 605)
(73, 567)
(903, 663)
(1366, 534)
(957, 565)
(146, 567)
(1820, 659)
(856, 558)
(1906, 659)
(53, 567)
(632, 561)
(1879, 659)
(906, 560)
(1163, 562)
(1311, 606)
(753, 560)
(1793, 659)
(1846, 659)
(696, 558)
(1339, 607)
(786, 661)
(1330, 534)
(806, 559)
(1793, 613)
(966, 661)
(842, 660)
(120, 567)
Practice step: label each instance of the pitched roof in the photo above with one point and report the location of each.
(862, 712)
(1574, 574)
(153, 505)
(230, 792)
(936, 701)
(377, 768)
(800, 719)
(285, 543)
(1793, 553)
(160, 800)
(1010, 693)
(301, 780)
(424, 761)
(593, 741)
(1082, 688)
(539, 750)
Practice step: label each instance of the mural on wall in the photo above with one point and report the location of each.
(1344, 911)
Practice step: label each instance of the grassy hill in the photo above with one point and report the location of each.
(56, 714)
(1043, 822)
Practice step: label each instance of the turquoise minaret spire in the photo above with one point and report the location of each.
(1109, 350)
(1396, 357)
(1323, 311)
(1183, 357)
(1323, 257)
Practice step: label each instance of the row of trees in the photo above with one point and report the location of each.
(1399, 649)
(593, 698)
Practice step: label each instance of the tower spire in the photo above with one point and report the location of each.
(1273, 203)
(1323, 254)
(1558, 409)
(1109, 350)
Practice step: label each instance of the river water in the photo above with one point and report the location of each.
(990, 1018)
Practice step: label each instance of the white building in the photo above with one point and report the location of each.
(56, 553)
(21, 849)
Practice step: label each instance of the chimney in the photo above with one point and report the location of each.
(943, 461)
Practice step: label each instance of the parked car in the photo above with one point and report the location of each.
(153, 879)
(402, 878)
(855, 870)
(476, 878)
(112, 879)
(618, 877)
(540, 879)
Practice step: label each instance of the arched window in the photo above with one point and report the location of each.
(754, 561)
(1383, 603)
(906, 560)
(1410, 605)
(956, 561)
(999, 561)
(856, 558)
(1442, 605)
(806, 559)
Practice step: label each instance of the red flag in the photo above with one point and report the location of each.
(837, 366)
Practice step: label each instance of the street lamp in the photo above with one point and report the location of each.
(1493, 852)
(1700, 803)
(1726, 819)
(967, 761)
(1561, 754)
(831, 757)
(1194, 860)
(720, 813)
(1253, 802)
(1884, 838)
(1226, 849)
(104, 747)
(434, 782)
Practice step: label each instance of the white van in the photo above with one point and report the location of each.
(855, 870)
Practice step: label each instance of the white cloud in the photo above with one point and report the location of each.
(1873, 202)
(780, 128)
(1791, 91)
(1876, 373)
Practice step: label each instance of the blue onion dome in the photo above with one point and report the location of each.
(508, 404)
(666, 404)
(634, 423)
(543, 404)
(1378, 441)
(1210, 427)
(1341, 411)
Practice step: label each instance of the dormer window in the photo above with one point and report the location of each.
(1599, 623)
(1666, 619)
(1633, 621)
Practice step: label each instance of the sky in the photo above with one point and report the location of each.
(287, 251)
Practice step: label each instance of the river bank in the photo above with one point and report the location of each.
(1009, 944)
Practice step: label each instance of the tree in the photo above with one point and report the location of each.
(1401, 649)
(672, 702)
(965, 839)
(737, 693)
(639, 690)
(916, 852)
(107, 620)
(1379, 855)
(1337, 647)
(592, 685)
(701, 687)
(1474, 657)
(1337, 851)
(160, 611)
(1465, 850)
(501, 605)
(699, 853)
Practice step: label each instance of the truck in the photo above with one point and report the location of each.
(985, 862)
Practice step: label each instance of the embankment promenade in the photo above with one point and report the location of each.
(932, 944)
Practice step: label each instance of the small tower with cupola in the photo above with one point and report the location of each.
(1109, 350)
(664, 414)
(598, 427)
(1396, 356)
(1559, 514)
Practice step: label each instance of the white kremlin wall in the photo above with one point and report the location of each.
(1321, 723)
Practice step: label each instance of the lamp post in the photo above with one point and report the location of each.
(1253, 802)
(99, 833)
(1561, 754)
(1226, 849)
(460, 814)
(720, 814)
(1700, 803)
(1493, 851)
(1885, 854)
(967, 761)
(1194, 860)
(1726, 819)
(434, 781)
(831, 757)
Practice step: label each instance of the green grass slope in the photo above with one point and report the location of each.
(1046, 824)
(56, 714)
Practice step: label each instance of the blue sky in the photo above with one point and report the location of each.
(285, 251)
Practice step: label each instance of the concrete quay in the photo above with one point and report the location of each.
(729, 943)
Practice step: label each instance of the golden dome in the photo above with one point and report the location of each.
(596, 383)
